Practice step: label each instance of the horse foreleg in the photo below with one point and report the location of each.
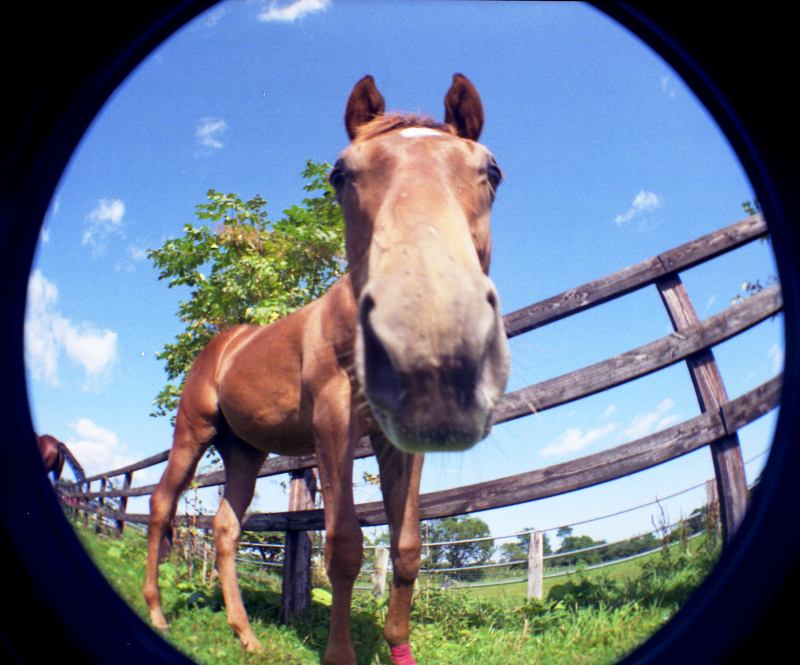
(242, 464)
(187, 449)
(400, 477)
(343, 537)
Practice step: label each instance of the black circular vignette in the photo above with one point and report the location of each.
(59, 70)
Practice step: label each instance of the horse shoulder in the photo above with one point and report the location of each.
(329, 334)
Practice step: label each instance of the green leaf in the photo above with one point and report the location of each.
(243, 268)
(322, 597)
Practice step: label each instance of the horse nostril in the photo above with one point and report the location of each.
(491, 298)
(382, 382)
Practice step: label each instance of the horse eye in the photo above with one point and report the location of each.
(337, 176)
(494, 174)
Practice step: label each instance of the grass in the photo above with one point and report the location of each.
(590, 617)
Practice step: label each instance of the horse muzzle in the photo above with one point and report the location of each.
(433, 388)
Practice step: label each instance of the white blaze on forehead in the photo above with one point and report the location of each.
(415, 132)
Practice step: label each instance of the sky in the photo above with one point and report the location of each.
(608, 158)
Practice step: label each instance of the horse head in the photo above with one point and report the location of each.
(431, 353)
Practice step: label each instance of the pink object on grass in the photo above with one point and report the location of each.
(401, 654)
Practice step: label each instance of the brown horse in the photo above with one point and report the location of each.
(52, 452)
(409, 348)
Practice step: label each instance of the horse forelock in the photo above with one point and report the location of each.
(390, 122)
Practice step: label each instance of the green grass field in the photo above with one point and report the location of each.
(591, 617)
(622, 572)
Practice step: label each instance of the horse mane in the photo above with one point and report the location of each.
(383, 124)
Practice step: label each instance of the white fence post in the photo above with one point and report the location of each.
(535, 566)
(380, 572)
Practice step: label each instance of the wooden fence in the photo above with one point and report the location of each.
(692, 342)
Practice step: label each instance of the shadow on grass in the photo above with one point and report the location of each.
(312, 626)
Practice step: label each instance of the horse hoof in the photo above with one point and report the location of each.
(159, 622)
(252, 645)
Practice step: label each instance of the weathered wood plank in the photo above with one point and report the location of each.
(136, 466)
(583, 297)
(296, 589)
(752, 405)
(541, 483)
(380, 572)
(536, 566)
(521, 488)
(552, 309)
(634, 277)
(640, 361)
(709, 387)
(123, 502)
(714, 244)
(272, 466)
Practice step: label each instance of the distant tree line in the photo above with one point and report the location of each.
(460, 555)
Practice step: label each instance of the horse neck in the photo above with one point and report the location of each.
(77, 469)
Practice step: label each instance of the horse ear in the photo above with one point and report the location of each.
(365, 103)
(463, 109)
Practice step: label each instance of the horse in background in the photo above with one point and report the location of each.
(54, 453)
(408, 347)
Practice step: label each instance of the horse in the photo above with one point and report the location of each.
(408, 347)
(52, 452)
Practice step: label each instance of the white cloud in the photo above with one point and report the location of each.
(642, 203)
(41, 345)
(576, 439)
(214, 16)
(610, 411)
(105, 219)
(92, 348)
(48, 333)
(652, 421)
(289, 12)
(776, 355)
(137, 253)
(96, 448)
(668, 86)
(108, 212)
(209, 131)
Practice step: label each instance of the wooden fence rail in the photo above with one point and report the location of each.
(574, 385)
(635, 277)
(691, 342)
(551, 481)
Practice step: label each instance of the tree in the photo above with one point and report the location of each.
(243, 268)
(570, 543)
(629, 547)
(457, 555)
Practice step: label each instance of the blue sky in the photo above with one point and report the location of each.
(609, 159)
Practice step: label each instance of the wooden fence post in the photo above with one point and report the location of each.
(711, 395)
(536, 566)
(87, 487)
(98, 527)
(381, 571)
(296, 592)
(712, 506)
(123, 503)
